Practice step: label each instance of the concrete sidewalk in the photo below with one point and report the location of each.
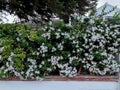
(57, 85)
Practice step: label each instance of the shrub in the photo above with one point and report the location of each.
(101, 41)
(90, 43)
(18, 49)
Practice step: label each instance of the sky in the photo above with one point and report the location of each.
(100, 3)
(112, 2)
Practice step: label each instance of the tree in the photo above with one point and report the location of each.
(37, 10)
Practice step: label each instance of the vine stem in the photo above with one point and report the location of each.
(79, 70)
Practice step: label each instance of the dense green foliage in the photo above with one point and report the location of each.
(90, 43)
(43, 10)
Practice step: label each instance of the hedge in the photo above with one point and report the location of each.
(90, 43)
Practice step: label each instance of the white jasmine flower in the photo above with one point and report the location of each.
(60, 46)
(18, 39)
(1, 49)
(53, 49)
(57, 35)
(43, 48)
(46, 35)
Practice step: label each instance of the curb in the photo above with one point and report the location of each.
(82, 78)
(62, 78)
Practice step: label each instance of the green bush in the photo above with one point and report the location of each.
(18, 49)
(90, 43)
